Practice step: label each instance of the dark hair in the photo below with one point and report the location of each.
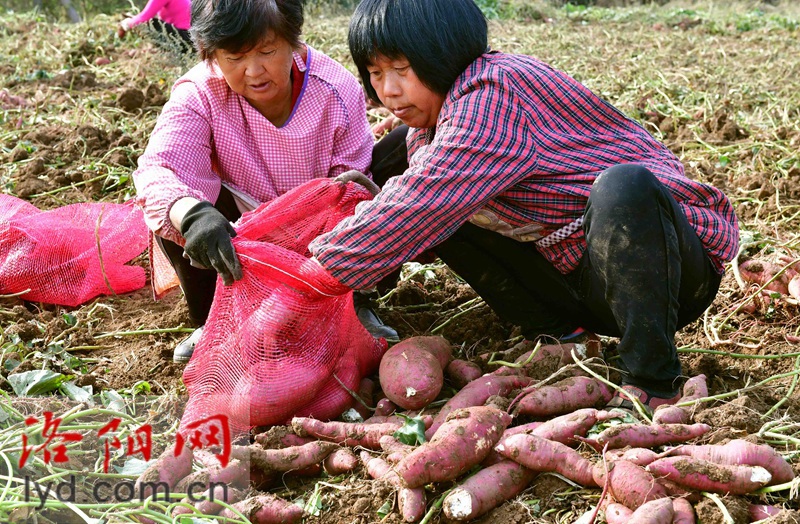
(439, 38)
(239, 25)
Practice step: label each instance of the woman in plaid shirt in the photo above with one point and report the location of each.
(561, 212)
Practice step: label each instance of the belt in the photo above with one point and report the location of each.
(557, 236)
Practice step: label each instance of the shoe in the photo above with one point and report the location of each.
(650, 402)
(364, 303)
(185, 348)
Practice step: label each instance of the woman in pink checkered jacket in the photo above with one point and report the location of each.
(261, 114)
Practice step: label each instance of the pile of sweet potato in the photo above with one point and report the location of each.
(478, 453)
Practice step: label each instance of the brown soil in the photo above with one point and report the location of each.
(57, 164)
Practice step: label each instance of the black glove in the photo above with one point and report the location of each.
(208, 237)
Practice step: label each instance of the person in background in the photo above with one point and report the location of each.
(170, 19)
(261, 114)
(561, 212)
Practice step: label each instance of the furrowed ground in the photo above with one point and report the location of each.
(719, 85)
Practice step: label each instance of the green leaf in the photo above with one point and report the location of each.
(36, 382)
(134, 466)
(314, 505)
(69, 319)
(10, 364)
(412, 432)
(113, 400)
(73, 362)
(623, 417)
(142, 386)
(77, 393)
(385, 509)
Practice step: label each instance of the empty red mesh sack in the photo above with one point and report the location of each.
(284, 341)
(71, 254)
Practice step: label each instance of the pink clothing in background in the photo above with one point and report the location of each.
(207, 135)
(175, 12)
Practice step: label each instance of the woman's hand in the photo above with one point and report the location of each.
(208, 245)
(123, 28)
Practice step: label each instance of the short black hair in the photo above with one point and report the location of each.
(439, 38)
(239, 25)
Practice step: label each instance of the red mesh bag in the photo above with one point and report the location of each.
(284, 341)
(71, 254)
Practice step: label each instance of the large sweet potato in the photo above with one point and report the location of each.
(486, 489)
(540, 454)
(410, 376)
(564, 396)
(476, 393)
(697, 474)
(265, 509)
(628, 483)
(464, 440)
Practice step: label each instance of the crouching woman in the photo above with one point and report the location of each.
(560, 211)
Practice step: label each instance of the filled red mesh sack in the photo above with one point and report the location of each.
(71, 254)
(284, 341)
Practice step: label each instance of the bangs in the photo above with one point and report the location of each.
(373, 34)
(238, 26)
(439, 38)
(241, 27)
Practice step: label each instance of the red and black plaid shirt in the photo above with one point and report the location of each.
(516, 148)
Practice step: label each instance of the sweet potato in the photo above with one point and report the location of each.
(697, 474)
(378, 468)
(742, 452)
(675, 490)
(208, 503)
(564, 396)
(410, 376)
(236, 473)
(366, 388)
(762, 511)
(437, 346)
(682, 511)
(464, 440)
(530, 362)
(648, 436)
(340, 461)
(384, 407)
(395, 450)
(539, 454)
(617, 513)
(280, 437)
(794, 287)
(412, 501)
(347, 433)
(564, 428)
(165, 472)
(265, 509)
(693, 389)
(462, 372)
(657, 511)
(628, 483)
(287, 459)
(487, 489)
(475, 394)
(494, 457)
(760, 272)
(639, 456)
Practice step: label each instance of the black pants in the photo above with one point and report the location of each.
(645, 274)
(388, 160)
